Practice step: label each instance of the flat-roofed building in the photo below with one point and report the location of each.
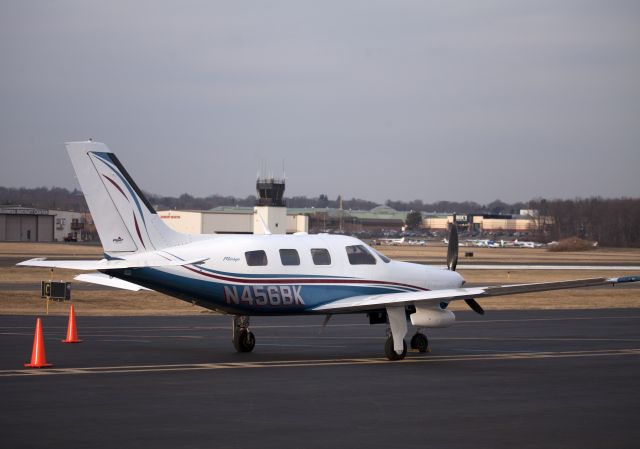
(523, 222)
(228, 220)
(30, 224)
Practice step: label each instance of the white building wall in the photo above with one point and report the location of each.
(297, 223)
(269, 219)
(515, 224)
(436, 223)
(197, 222)
(227, 223)
(188, 222)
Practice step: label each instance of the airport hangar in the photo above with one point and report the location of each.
(29, 224)
(526, 221)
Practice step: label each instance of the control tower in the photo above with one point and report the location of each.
(270, 212)
(270, 192)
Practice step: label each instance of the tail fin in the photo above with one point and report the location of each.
(125, 220)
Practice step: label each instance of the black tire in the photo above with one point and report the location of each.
(420, 342)
(244, 341)
(390, 353)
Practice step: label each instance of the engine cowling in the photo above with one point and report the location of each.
(432, 316)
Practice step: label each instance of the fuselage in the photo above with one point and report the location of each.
(283, 274)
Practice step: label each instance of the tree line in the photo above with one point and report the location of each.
(44, 198)
(63, 199)
(73, 200)
(610, 222)
(460, 207)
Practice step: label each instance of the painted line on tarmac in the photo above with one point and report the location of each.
(501, 356)
(106, 329)
(286, 326)
(518, 320)
(127, 341)
(101, 337)
(200, 328)
(626, 340)
(289, 345)
(140, 338)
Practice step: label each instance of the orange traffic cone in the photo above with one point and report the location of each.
(38, 359)
(72, 332)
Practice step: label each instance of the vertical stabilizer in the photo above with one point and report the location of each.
(125, 220)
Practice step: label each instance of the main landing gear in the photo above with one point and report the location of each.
(395, 348)
(243, 338)
(419, 342)
(391, 353)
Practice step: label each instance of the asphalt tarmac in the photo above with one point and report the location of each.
(511, 379)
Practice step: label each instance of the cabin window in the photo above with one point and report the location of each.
(289, 257)
(256, 258)
(320, 256)
(384, 258)
(358, 255)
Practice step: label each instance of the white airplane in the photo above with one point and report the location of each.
(446, 242)
(526, 244)
(480, 243)
(247, 275)
(388, 241)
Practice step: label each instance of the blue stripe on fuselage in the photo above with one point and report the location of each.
(211, 294)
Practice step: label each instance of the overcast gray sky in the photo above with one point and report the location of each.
(381, 100)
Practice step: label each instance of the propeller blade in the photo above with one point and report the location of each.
(474, 306)
(452, 248)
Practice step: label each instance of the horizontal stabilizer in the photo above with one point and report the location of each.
(113, 264)
(109, 281)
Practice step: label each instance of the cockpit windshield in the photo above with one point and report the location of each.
(359, 255)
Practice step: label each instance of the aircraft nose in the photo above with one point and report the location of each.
(458, 280)
(453, 280)
(444, 279)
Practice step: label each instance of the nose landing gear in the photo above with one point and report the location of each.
(243, 338)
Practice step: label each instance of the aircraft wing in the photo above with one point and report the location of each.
(515, 267)
(433, 297)
(463, 267)
(112, 264)
(105, 279)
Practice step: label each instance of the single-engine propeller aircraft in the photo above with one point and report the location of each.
(248, 275)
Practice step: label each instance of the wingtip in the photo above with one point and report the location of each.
(625, 279)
